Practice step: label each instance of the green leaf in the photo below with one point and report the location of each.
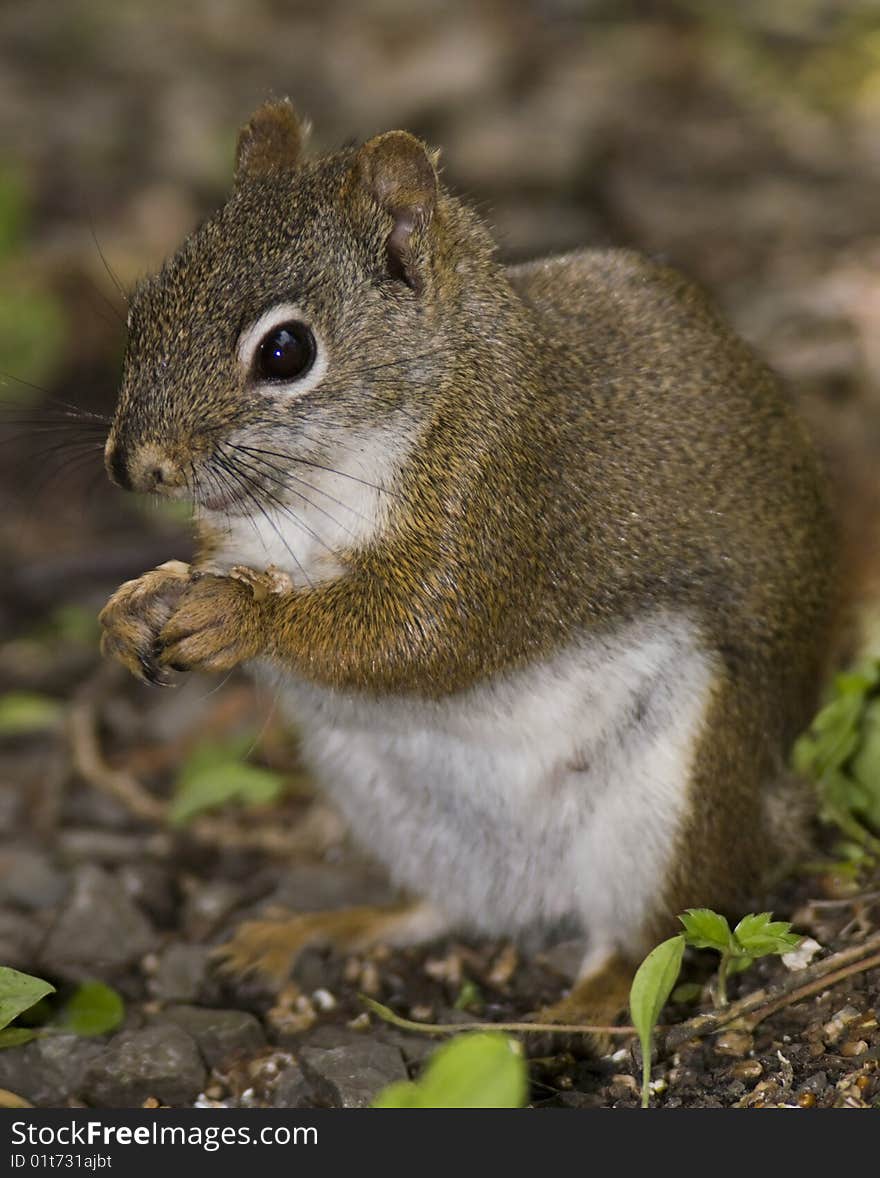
(403, 1094)
(16, 1036)
(865, 767)
(93, 1009)
(24, 712)
(705, 929)
(468, 996)
(214, 775)
(687, 993)
(18, 992)
(650, 990)
(832, 737)
(759, 935)
(482, 1070)
(738, 964)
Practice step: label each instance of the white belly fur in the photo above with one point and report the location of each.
(547, 799)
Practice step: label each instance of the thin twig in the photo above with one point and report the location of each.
(406, 1024)
(750, 1010)
(810, 988)
(826, 972)
(89, 762)
(318, 829)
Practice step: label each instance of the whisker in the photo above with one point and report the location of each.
(287, 475)
(73, 465)
(398, 361)
(284, 482)
(317, 466)
(42, 433)
(279, 504)
(73, 411)
(253, 498)
(66, 446)
(110, 271)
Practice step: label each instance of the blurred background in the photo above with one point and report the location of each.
(740, 142)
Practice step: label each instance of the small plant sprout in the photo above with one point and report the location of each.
(19, 992)
(472, 1071)
(840, 752)
(757, 935)
(650, 990)
(92, 1009)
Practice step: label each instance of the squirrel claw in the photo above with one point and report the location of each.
(135, 614)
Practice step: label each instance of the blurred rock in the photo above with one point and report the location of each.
(350, 1076)
(151, 886)
(181, 973)
(98, 931)
(161, 1062)
(28, 878)
(49, 1071)
(220, 1034)
(20, 939)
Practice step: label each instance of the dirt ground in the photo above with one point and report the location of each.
(741, 148)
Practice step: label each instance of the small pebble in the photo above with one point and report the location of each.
(623, 1085)
(734, 1043)
(324, 1000)
(421, 1013)
(802, 954)
(854, 1047)
(352, 970)
(806, 1100)
(445, 969)
(835, 1026)
(360, 1022)
(768, 1089)
(747, 1069)
(302, 1017)
(503, 967)
(370, 982)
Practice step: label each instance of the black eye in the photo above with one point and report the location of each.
(286, 353)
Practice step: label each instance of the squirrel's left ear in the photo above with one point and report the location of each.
(271, 142)
(398, 172)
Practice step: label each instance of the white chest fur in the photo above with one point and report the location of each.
(551, 798)
(317, 512)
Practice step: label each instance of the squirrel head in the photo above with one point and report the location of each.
(326, 296)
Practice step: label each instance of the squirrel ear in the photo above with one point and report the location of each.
(271, 142)
(399, 174)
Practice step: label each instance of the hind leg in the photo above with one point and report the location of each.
(270, 947)
(598, 998)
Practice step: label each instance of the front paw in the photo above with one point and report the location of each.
(135, 614)
(219, 622)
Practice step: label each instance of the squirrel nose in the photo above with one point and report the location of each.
(144, 469)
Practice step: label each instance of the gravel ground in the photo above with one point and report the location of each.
(742, 149)
(89, 890)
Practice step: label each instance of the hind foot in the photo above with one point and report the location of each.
(597, 999)
(270, 947)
